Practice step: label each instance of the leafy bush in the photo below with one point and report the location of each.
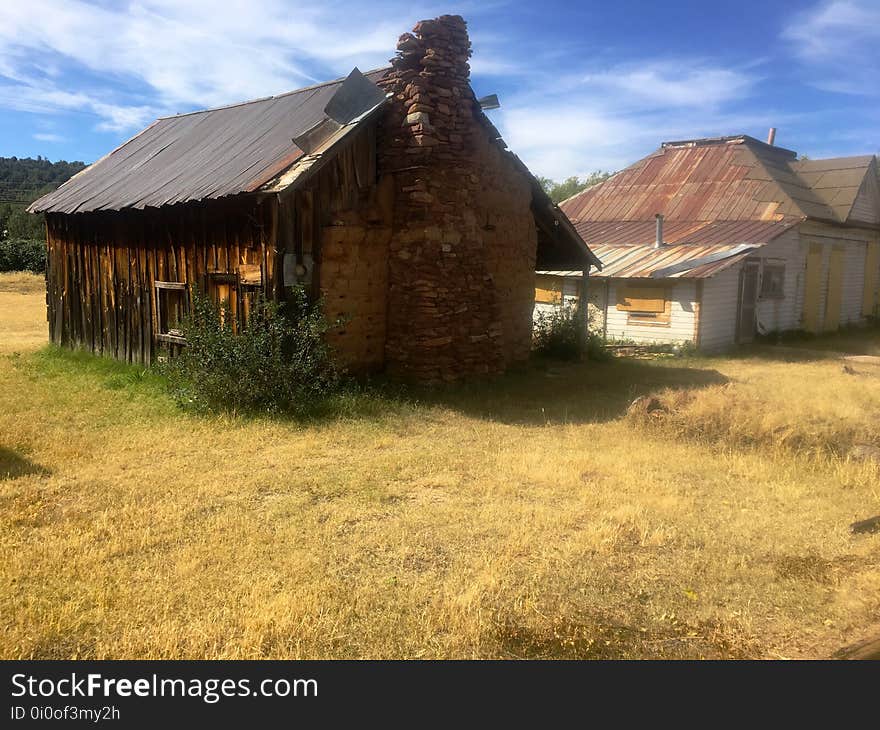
(22, 254)
(276, 362)
(557, 335)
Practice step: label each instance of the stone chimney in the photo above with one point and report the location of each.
(445, 320)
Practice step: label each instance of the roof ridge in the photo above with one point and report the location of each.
(236, 104)
(727, 139)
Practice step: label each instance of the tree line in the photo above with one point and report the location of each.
(22, 234)
(559, 191)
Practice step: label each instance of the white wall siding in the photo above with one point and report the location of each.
(718, 310)
(682, 294)
(779, 315)
(570, 292)
(853, 282)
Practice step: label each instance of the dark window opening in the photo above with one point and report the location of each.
(773, 282)
(170, 310)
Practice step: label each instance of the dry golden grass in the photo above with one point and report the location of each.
(22, 311)
(529, 517)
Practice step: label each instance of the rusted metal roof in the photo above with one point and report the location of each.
(251, 147)
(626, 248)
(640, 233)
(641, 262)
(199, 155)
(720, 179)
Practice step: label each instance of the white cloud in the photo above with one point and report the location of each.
(838, 44)
(41, 97)
(183, 55)
(126, 63)
(608, 118)
(49, 137)
(673, 84)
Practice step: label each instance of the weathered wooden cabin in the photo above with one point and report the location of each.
(752, 240)
(391, 195)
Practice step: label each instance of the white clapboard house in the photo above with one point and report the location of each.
(710, 241)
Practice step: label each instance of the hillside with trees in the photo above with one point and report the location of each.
(23, 180)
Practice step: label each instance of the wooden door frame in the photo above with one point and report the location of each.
(756, 266)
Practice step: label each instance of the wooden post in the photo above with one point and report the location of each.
(583, 316)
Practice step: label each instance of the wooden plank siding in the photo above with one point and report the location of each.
(103, 267)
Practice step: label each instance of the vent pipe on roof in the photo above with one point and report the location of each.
(771, 135)
(658, 242)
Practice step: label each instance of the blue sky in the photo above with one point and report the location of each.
(583, 86)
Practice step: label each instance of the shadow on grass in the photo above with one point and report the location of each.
(540, 392)
(546, 392)
(14, 465)
(799, 346)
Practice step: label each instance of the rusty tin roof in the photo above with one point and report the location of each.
(723, 179)
(626, 248)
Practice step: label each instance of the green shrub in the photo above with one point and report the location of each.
(22, 254)
(276, 362)
(557, 335)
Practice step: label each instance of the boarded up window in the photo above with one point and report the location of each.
(773, 281)
(644, 304)
(548, 289)
(642, 299)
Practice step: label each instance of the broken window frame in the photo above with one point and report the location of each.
(217, 282)
(163, 290)
(773, 274)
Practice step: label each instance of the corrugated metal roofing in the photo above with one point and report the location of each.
(626, 248)
(722, 179)
(640, 262)
(199, 155)
(640, 233)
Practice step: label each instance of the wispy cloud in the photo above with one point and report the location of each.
(49, 137)
(670, 84)
(177, 56)
(568, 106)
(607, 118)
(838, 43)
(43, 97)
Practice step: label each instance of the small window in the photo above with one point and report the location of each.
(773, 282)
(170, 308)
(548, 289)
